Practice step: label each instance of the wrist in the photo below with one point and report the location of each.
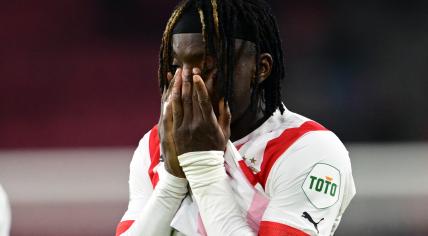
(174, 172)
(173, 179)
(203, 168)
(173, 183)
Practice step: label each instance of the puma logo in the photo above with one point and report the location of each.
(307, 216)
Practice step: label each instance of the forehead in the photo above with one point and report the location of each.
(188, 44)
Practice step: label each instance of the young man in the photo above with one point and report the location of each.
(221, 64)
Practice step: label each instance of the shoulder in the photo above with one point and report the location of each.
(281, 139)
(293, 144)
(143, 174)
(311, 147)
(303, 143)
(148, 150)
(315, 160)
(312, 176)
(319, 146)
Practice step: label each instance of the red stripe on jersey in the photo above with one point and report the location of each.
(277, 146)
(268, 228)
(123, 226)
(247, 172)
(154, 155)
(239, 146)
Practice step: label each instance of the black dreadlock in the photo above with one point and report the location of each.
(218, 19)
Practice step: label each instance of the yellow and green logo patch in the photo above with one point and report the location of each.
(322, 185)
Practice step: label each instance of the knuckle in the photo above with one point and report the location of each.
(187, 99)
(183, 131)
(176, 114)
(163, 142)
(193, 128)
(204, 101)
(187, 79)
(175, 95)
(164, 122)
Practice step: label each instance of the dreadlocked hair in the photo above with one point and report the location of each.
(219, 21)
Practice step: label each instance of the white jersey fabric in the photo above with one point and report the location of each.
(299, 175)
(4, 213)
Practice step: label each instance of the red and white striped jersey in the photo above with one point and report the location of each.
(302, 168)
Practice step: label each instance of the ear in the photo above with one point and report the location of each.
(265, 67)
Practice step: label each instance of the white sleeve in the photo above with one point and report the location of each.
(151, 210)
(217, 205)
(4, 213)
(311, 184)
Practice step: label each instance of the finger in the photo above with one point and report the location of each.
(164, 98)
(224, 117)
(177, 109)
(167, 90)
(165, 101)
(170, 78)
(203, 97)
(211, 82)
(186, 95)
(196, 71)
(160, 126)
(197, 113)
(167, 120)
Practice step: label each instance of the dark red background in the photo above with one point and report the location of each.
(65, 81)
(78, 73)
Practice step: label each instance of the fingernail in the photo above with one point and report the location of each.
(195, 78)
(226, 103)
(177, 71)
(196, 70)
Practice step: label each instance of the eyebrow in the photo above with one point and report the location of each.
(194, 55)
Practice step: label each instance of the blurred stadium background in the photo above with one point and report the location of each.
(78, 90)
